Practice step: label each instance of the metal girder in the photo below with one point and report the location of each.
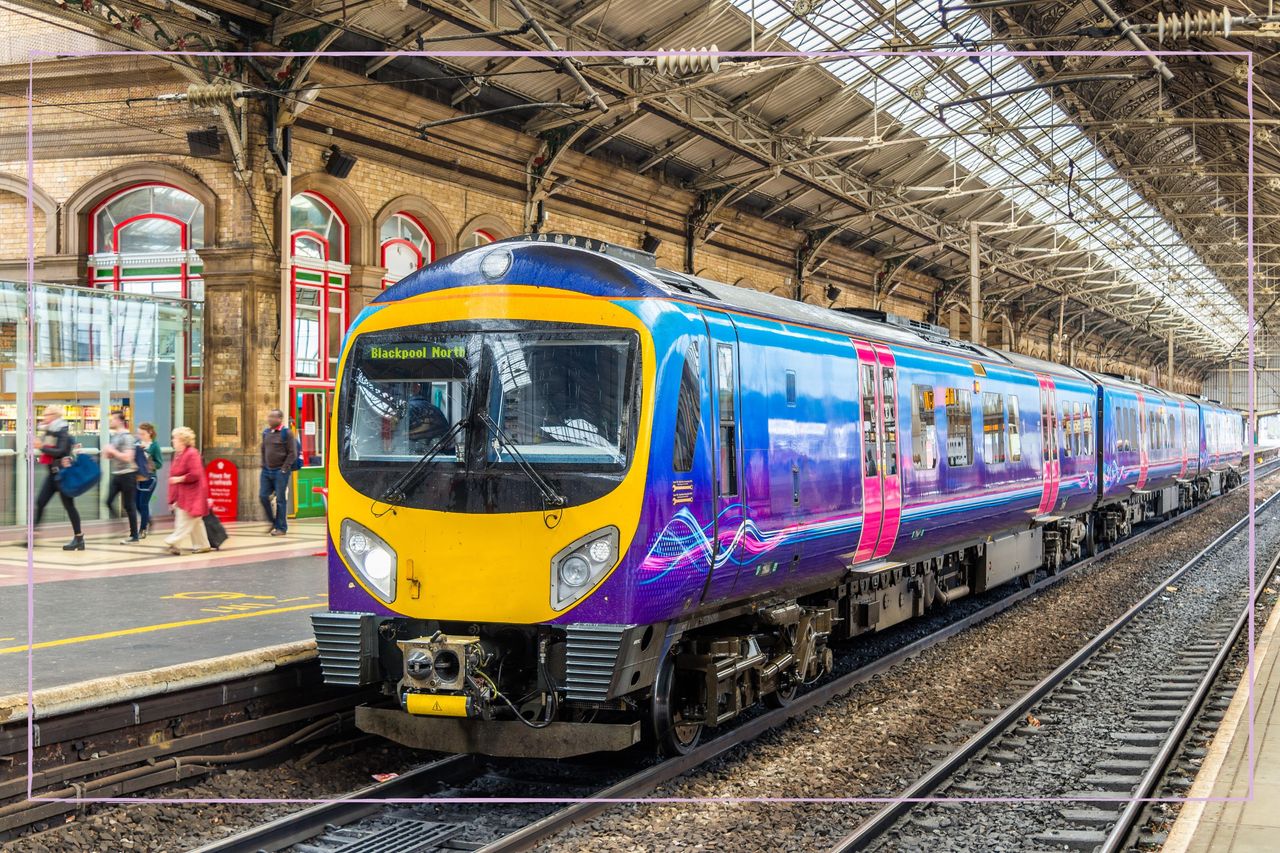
(429, 24)
(309, 14)
(148, 34)
(673, 147)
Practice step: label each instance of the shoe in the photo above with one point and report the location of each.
(276, 531)
(76, 544)
(271, 531)
(175, 551)
(129, 540)
(200, 550)
(142, 534)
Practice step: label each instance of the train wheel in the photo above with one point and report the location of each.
(666, 725)
(782, 697)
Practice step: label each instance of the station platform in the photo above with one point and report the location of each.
(114, 609)
(1234, 804)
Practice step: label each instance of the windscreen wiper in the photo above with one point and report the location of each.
(551, 499)
(397, 491)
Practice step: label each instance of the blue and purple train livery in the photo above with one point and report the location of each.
(578, 498)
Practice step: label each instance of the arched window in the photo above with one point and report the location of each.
(145, 238)
(478, 238)
(318, 242)
(405, 246)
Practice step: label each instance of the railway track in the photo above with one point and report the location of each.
(171, 735)
(371, 818)
(1098, 733)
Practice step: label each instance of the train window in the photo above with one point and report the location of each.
(728, 423)
(993, 428)
(924, 429)
(1087, 425)
(1015, 436)
(686, 437)
(1065, 424)
(791, 387)
(889, 395)
(959, 428)
(1077, 429)
(870, 434)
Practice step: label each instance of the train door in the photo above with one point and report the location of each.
(881, 478)
(729, 516)
(1182, 438)
(309, 419)
(1051, 470)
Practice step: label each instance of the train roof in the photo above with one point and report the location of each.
(646, 278)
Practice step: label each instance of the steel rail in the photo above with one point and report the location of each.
(1142, 795)
(648, 779)
(878, 824)
(308, 823)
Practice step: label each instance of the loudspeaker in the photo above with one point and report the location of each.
(339, 164)
(650, 243)
(204, 143)
(833, 292)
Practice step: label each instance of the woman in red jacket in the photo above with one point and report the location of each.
(188, 493)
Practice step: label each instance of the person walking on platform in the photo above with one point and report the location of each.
(189, 494)
(279, 451)
(56, 448)
(124, 472)
(147, 484)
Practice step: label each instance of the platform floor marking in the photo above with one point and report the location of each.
(163, 626)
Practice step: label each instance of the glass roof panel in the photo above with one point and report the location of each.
(1107, 211)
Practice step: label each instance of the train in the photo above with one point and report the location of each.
(577, 501)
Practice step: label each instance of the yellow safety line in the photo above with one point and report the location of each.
(164, 626)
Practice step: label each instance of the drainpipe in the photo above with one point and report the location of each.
(1126, 29)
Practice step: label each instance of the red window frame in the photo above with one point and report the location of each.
(184, 277)
(422, 261)
(327, 291)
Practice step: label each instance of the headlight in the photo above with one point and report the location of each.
(574, 571)
(371, 558)
(580, 566)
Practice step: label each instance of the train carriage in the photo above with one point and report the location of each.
(577, 495)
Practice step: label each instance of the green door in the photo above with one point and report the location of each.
(310, 419)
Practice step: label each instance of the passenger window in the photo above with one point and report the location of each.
(686, 437)
(924, 430)
(1088, 431)
(791, 387)
(888, 394)
(959, 429)
(870, 435)
(993, 428)
(1066, 425)
(728, 423)
(1015, 437)
(1077, 429)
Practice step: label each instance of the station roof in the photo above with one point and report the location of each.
(1109, 187)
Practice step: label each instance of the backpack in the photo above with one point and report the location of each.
(296, 464)
(142, 460)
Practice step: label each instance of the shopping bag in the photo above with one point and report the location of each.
(216, 532)
(80, 476)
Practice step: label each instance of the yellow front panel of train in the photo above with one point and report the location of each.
(492, 567)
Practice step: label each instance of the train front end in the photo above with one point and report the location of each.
(490, 442)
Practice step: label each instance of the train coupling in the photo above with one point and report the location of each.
(444, 676)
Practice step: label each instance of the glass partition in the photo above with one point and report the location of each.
(93, 351)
